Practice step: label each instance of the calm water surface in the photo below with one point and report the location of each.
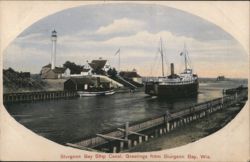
(68, 120)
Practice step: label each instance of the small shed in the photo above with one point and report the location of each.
(86, 84)
(78, 84)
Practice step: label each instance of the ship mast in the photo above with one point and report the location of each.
(185, 56)
(162, 66)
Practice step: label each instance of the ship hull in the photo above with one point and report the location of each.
(171, 91)
(99, 93)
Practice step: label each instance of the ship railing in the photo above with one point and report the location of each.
(178, 83)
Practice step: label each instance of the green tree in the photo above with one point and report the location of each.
(112, 72)
(74, 69)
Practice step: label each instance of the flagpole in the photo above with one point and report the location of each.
(118, 52)
(119, 63)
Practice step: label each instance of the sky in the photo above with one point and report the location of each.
(93, 31)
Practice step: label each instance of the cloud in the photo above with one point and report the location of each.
(25, 58)
(86, 33)
(137, 51)
(146, 44)
(140, 50)
(119, 26)
(30, 36)
(145, 39)
(34, 38)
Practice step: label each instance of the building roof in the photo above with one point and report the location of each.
(130, 74)
(48, 66)
(97, 64)
(59, 70)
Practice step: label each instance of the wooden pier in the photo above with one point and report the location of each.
(35, 96)
(132, 134)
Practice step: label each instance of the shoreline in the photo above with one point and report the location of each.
(191, 132)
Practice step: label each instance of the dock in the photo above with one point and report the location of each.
(36, 96)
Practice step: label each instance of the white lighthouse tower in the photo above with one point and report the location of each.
(53, 55)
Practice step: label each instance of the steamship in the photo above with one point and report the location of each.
(174, 86)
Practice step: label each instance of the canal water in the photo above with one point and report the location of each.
(67, 120)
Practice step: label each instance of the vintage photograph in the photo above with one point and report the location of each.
(124, 77)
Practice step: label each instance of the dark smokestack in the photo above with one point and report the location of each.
(172, 68)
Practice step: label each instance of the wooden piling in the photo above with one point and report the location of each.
(34, 96)
(161, 131)
(121, 145)
(114, 149)
(156, 132)
(168, 127)
(135, 143)
(129, 144)
(126, 130)
(164, 130)
(140, 139)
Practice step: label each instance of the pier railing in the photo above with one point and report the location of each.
(169, 120)
(34, 96)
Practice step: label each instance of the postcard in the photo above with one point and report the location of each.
(124, 81)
